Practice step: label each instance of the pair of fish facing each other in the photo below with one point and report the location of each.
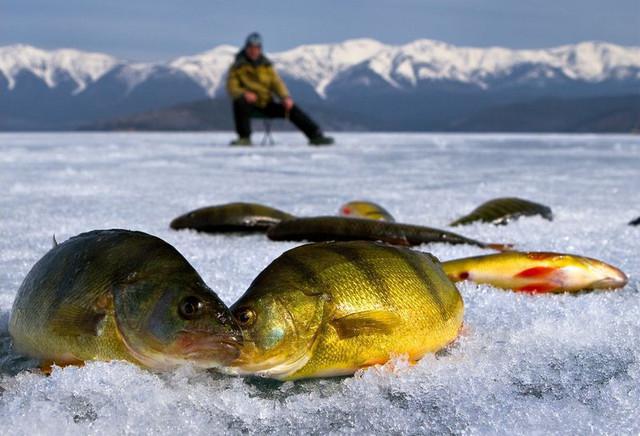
(318, 310)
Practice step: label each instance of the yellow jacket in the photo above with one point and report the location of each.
(258, 77)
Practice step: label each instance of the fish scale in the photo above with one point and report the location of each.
(355, 352)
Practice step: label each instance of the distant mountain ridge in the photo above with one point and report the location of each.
(413, 86)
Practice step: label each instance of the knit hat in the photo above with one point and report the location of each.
(253, 39)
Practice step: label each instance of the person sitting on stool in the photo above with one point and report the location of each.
(251, 83)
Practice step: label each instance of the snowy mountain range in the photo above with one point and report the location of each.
(416, 83)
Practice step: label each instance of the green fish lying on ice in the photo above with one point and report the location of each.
(231, 217)
(502, 210)
(332, 228)
(121, 295)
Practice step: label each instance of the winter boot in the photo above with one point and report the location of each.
(321, 140)
(241, 141)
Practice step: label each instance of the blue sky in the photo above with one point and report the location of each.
(157, 30)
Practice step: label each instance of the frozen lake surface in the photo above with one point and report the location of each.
(547, 364)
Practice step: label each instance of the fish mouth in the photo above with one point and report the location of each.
(610, 282)
(276, 366)
(209, 350)
(614, 278)
(178, 223)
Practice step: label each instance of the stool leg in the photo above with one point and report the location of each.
(267, 138)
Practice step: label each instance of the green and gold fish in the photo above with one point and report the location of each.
(328, 309)
(121, 295)
(333, 228)
(231, 217)
(365, 209)
(503, 210)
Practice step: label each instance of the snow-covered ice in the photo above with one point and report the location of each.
(549, 364)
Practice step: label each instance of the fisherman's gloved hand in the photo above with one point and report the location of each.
(250, 97)
(287, 103)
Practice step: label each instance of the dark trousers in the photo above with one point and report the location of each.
(243, 111)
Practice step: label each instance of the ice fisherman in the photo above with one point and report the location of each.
(252, 83)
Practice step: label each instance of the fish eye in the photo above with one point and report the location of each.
(191, 308)
(246, 317)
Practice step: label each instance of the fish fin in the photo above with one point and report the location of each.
(78, 321)
(543, 255)
(55, 243)
(401, 241)
(539, 288)
(500, 247)
(458, 222)
(363, 323)
(431, 257)
(537, 271)
(46, 366)
(464, 332)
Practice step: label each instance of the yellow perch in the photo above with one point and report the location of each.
(121, 295)
(536, 272)
(365, 209)
(328, 309)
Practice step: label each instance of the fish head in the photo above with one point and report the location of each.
(581, 273)
(365, 209)
(604, 276)
(279, 329)
(193, 219)
(176, 322)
